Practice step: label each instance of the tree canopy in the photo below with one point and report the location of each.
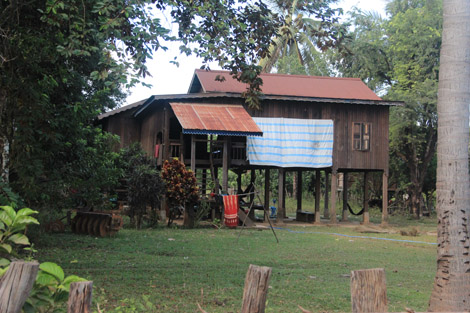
(398, 57)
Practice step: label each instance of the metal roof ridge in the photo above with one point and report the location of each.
(285, 75)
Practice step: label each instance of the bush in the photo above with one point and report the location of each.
(144, 183)
(181, 189)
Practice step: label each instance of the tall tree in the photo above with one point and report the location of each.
(452, 282)
(307, 27)
(64, 62)
(399, 57)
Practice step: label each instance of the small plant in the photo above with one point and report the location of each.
(12, 231)
(51, 288)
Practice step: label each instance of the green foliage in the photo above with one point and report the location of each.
(64, 62)
(8, 196)
(50, 290)
(307, 26)
(144, 182)
(398, 57)
(181, 187)
(12, 231)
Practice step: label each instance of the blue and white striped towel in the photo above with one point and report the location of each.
(289, 142)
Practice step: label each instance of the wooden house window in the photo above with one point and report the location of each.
(361, 136)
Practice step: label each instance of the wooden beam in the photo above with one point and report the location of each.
(385, 198)
(252, 182)
(225, 166)
(368, 291)
(204, 181)
(299, 190)
(281, 209)
(344, 217)
(365, 203)
(267, 186)
(166, 134)
(317, 195)
(284, 177)
(193, 154)
(334, 178)
(239, 182)
(326, 212)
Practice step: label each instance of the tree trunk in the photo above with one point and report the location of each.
(451, 290)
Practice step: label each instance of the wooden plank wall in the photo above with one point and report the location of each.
(151, 125)
(125, 126)
(146, 129)
(343, 115)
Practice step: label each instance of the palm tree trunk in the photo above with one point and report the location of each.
(451, 290)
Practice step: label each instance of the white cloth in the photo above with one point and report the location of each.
(289, 142)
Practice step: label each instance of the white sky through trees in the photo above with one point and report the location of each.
(171, 79)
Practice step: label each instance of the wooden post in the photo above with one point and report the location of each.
(267, 186)
(284, 177)
(252, 182)
(280, 200)
(225, 167)
(317, 196)
(166, 135)
(256, 289)
(204, 181)
(365, 216)
(239, 182)
(385, 198)
(193, 153)
(326, 212)
(344, 217)
(299, 191)
(16, 284)
(80, 297)
(182, 152)
(368, 291)
(334, 178)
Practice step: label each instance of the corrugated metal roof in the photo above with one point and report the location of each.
(287, 85)
(218, 119)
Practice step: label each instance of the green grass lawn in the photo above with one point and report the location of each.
(177, 268)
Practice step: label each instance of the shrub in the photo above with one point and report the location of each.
(181, 188)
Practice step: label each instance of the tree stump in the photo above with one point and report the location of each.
(368, 291)
(80, 297)
(16, 285)
(256, 289)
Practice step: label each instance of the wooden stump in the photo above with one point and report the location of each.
(80, 297)
(256, 289)
(16, 285)
(368, 291)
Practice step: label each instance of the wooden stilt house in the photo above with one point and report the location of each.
(321, 124)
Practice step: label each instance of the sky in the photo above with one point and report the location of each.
(168, 78)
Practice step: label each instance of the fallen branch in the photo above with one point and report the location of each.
(303, 310)
(200, 309)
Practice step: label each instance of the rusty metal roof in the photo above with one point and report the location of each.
(286, 85)
(215, 119)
